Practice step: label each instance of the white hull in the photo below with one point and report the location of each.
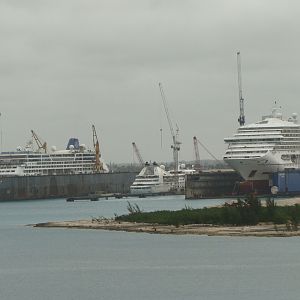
(260, 168)
(150, 190)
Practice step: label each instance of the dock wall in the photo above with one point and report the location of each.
(211, 184)
(59, 186)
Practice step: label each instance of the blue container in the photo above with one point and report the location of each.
(287, 181)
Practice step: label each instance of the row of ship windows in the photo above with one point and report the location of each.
(73, 169)
(55, 166)
(235, 152)
(280, 129)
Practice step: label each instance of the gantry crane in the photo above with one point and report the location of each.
(138, 154)
(241, 118)
(197, 156)
(176, 144)
(98, 163)
(41, 145)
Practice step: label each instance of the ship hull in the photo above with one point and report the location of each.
(150, 190)
(260, 168)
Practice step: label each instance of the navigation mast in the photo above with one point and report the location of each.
(242, 113)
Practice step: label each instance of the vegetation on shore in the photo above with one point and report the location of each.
(248, 211)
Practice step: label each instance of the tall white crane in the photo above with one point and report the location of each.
(176, 144)
(138, 154)
(242, 113)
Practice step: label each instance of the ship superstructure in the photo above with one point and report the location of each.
(260, 149)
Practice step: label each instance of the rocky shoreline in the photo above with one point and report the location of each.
(260, 230)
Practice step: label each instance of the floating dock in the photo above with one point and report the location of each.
(211, 184)
(64, 186)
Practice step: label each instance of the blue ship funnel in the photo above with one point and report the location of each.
(74, 142)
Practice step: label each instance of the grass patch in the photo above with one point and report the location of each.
(245, 212)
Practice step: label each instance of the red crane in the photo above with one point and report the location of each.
(40, 144)
(98, 164)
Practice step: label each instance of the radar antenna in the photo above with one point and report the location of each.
(242, 113)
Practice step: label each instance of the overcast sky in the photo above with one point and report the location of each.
(68, 64)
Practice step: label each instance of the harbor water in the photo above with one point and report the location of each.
(52, 263)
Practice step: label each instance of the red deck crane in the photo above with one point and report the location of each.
(40, 144)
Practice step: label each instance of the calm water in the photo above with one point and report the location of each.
(39, 263)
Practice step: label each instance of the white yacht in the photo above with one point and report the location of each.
(260, 149)
(75, 159)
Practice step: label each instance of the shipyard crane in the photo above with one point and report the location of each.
(40, 144)
(242, 113)
(138, 154)
(98, 164)
(197, 156)
(176, 144)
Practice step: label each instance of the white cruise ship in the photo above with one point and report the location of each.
(154, 179)
(260, 149)
(75, 159)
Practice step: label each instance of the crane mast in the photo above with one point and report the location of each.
(176, 144)
(242, 113)
(98, 164)
(138, 154)
(197, 156)
(40, 144)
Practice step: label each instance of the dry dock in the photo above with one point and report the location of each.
(63, 186)
(211, 184)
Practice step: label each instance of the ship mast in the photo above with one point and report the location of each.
(242, 113)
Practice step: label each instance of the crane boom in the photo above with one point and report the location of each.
(176, 144)
(166, 109)
(138, 154)
(241, 99)
(98, 164)
(40, 144)
(197, 156)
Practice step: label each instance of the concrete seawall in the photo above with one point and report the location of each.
(57, 186)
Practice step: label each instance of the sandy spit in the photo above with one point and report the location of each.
(260, 230)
